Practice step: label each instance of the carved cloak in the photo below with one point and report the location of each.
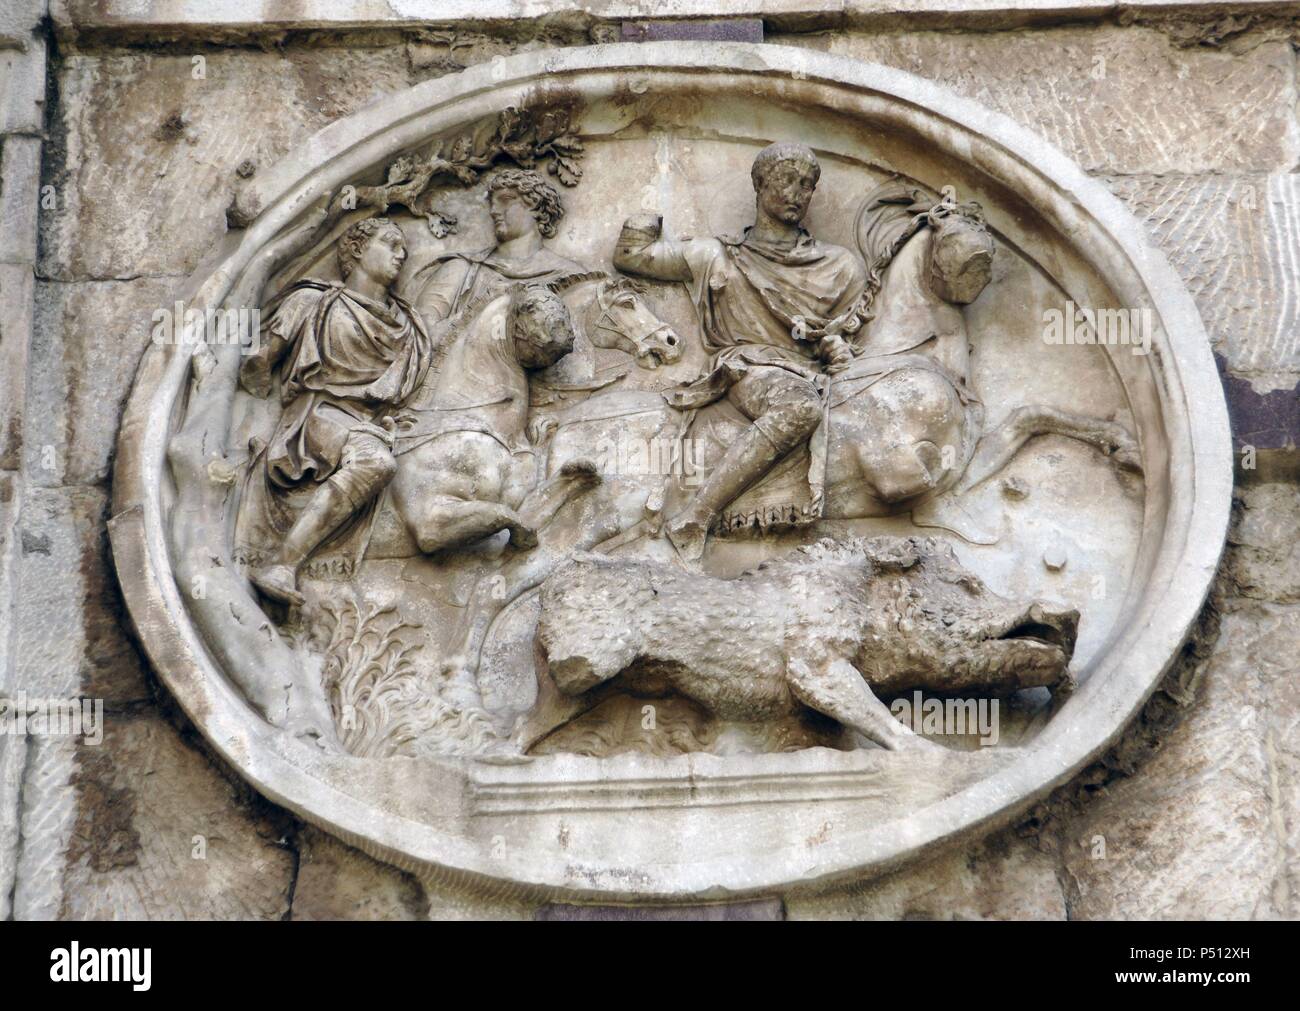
(750, 296)
(347, 361)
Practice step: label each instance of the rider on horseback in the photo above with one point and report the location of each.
(772, 304)
(349, 353)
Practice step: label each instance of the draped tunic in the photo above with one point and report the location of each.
(750, 296)
(347, 360)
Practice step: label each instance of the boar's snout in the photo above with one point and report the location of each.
(1044, 623)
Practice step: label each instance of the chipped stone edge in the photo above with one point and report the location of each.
(1186, 557)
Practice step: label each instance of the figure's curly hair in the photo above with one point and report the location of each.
(353, 242)
(537, 194)
(775, 154)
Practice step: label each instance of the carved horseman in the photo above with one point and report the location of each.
(525, 211)
(350, 354)
(773, 303)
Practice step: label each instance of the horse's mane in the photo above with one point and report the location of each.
(566, 281)
(891, 215)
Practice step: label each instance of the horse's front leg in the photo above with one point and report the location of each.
(446, 522)
(997, 447)
(541, 504)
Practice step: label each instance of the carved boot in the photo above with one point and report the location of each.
(326, 511)
(749, 458)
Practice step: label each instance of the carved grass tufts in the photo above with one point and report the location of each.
(383, 703)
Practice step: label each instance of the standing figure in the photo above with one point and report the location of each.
(772, 304)
(350, 354)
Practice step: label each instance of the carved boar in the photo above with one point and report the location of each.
(828, 627)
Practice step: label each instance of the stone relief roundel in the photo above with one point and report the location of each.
(670, 471)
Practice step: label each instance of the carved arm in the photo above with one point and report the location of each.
(642, 250)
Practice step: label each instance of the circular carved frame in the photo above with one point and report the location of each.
(666, 829)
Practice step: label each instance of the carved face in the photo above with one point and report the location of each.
(934, 625)
(786, 190)
(511, 217)
(960, 260)
(540, 326)
(382, 256)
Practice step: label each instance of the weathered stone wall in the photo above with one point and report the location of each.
(136, 137)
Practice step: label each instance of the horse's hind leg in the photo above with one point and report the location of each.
(997, 447)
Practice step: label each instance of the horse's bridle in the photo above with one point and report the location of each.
(606, 313)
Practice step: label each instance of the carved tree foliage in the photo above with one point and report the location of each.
(526, 137)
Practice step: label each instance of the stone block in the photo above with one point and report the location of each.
(17, 292)
(22, 86)
(1264, 562)
(89, 341)
(1233, 240)
(20, 170)
(337, 882)
(161, 835)
(18, 20)
(70, 632)
(153, 148)
(1116, 100)
(1194, 835)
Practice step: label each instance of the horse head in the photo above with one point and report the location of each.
(959, 261)
(539, 324)
(625, 322)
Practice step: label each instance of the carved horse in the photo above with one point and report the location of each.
(466, 458)
(905, 425)
(465, 466)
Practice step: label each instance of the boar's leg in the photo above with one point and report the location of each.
(553, 708)
(839, 691)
